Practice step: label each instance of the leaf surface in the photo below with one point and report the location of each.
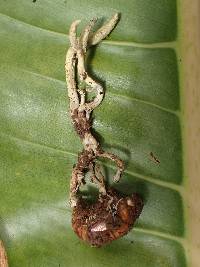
(140, 114)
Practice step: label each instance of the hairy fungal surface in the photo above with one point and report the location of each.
(104, 225)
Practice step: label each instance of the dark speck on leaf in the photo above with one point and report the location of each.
(154, 158)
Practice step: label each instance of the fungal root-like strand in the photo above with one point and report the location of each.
(80, 109)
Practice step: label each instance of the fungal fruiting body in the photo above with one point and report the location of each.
(79, 83)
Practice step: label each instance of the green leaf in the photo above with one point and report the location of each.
(140, 114)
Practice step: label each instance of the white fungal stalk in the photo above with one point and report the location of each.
(80, 110)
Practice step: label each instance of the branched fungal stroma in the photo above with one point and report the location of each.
(109, 203)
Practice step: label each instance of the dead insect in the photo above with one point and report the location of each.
(154, 158)
(104, 225)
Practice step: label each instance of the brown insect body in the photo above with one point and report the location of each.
(108, 219)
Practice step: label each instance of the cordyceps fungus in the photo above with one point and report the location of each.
(112, 215)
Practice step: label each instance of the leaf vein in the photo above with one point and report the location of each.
(165, 184)
(171, 44)
(129, 98)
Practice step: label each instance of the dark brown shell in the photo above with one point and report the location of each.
(111, 217)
